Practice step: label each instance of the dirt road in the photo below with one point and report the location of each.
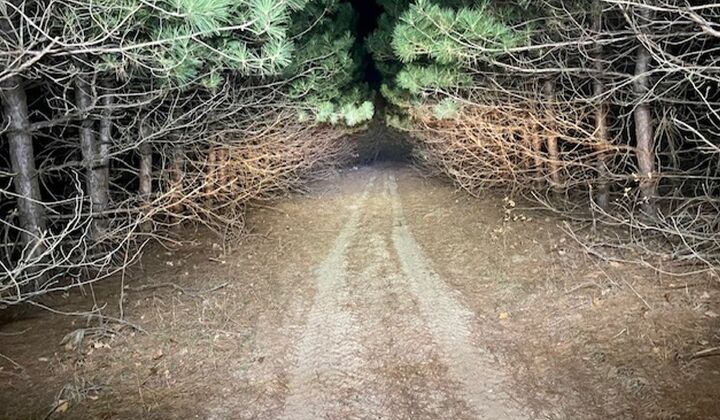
(378, 295)
(381, 313)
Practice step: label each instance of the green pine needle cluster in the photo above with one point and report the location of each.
(446, 109)
(426, 49)
(325, 71)
(449, 36)
(304, 48)
(416, 78)
(202, 16)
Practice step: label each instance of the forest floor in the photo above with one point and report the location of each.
(379, 294)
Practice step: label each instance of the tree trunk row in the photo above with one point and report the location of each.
(22, 157)
(644, 131)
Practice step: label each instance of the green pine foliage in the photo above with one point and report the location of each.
(206, 38)
(448, 36)
(446, 109)
(427, 47)
(183, 42)
(379, 43)
(416, 78)
(304, 48)
(325, 71)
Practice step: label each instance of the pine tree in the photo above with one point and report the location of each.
(325, 71)
(31, 214)
(160, 78)
(172, 45)
(426, 47)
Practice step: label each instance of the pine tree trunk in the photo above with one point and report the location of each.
(602, 197)
(89, 145)
(103, 156)
(222, 168)
(644, 131)
(145, 172)
(31, 215)
(601, 112)
(211, 174)
(536, 143)
(22, 158)
(145, 150)
(552, 141)
(177, 173)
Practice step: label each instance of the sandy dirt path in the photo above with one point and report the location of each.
(378, 294)
(383, 318)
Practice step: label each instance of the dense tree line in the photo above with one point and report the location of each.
(121, 118)
(607, 105)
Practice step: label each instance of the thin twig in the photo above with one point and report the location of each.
(178, 288)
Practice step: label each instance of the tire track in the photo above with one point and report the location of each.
(450, 324)
(327, 381)
(404, 371)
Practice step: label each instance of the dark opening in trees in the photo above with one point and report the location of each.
(367, 13)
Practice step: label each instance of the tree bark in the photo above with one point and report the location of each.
(536, 143)
(95, 178)
(211, 175)
(644, 131)
(222, 168)
(31, 214)
(22, 158)
(145, 150)
(601, 113)
(177, 173)
(145, 171)
(552, 140)
(103, 153)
